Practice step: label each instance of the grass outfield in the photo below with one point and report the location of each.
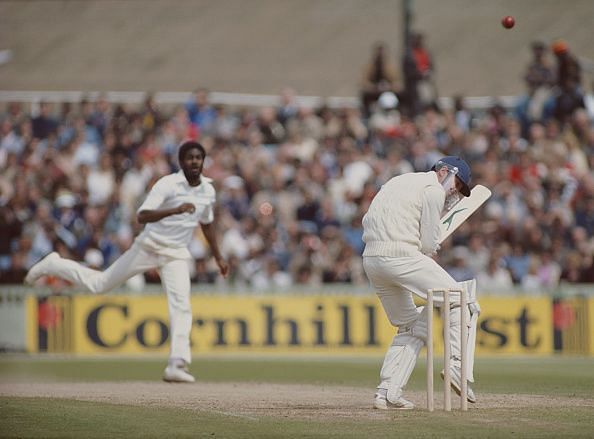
(552, 397)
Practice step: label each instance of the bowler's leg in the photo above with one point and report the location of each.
(134, 260)
(175, 277)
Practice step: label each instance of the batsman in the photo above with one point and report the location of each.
(401, 231)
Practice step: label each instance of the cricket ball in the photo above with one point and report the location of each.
(508, 21)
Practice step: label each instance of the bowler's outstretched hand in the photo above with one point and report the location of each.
(223, 266)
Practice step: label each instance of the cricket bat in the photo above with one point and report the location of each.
(462, 210)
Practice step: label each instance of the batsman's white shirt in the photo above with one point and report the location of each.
(400, 229)
(171, 235)
(403, 218)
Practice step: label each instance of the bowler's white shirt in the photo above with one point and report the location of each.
(171, 236)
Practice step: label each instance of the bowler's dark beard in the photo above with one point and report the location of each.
(192, 180)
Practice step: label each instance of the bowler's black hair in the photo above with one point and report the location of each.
(188, 145)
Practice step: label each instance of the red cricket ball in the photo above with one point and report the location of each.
(508, 21)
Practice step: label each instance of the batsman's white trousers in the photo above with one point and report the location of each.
(175, 278)
(395, 280)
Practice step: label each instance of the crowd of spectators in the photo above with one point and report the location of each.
(552, 91)
(293, 184)
(414, 89)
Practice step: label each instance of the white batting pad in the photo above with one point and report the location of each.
(469, 288)
(398, 365)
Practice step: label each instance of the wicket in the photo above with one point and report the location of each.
(446, 349)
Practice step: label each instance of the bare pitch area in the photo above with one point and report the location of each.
(256, 400)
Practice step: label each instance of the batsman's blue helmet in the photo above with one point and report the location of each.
(462, 171)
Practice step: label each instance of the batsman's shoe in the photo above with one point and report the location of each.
(40, 269)
(177, 372)
(455, 383)
(381, 403)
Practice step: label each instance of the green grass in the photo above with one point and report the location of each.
(561, 376)
(271, 369)
(29, 417)
(45, 417)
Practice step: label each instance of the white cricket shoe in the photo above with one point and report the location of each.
(177, 372)
(455, 383)
(40, 269)
(381, 403)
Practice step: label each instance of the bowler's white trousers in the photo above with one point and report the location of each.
(395, 280)
(175, 278)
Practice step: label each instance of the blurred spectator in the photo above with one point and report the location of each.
(288, 107)
(225, 124)
(494, 278)
(357, 170)
(462, 115)
(306, 123)
(10, 230)
(518, 263)
(308, 211)
(530, 282)
(101, 181)
(326, 216)
(202, 274)
(395, 164)
(44, 124)
(12, 142)
(539, 79)
(353, 233)
(569, 94)
(587, 275)
(379, 75)
(18, 269)
(150, 113)
(270, 277)
(234, 198)
(98, 120)
(572, 271)
(344, 267)
(458, 268)
(418, 68)
(584, 215)
(85, 153)
(271, 129)
(478, 253)
(308, 261)
(548, 271)
(135, 183)
(385, 118)
(202, 115)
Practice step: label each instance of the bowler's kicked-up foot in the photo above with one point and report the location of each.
(40, 269)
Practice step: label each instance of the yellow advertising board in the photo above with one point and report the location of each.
(280, 324)
(515, 325)
(277, 324)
